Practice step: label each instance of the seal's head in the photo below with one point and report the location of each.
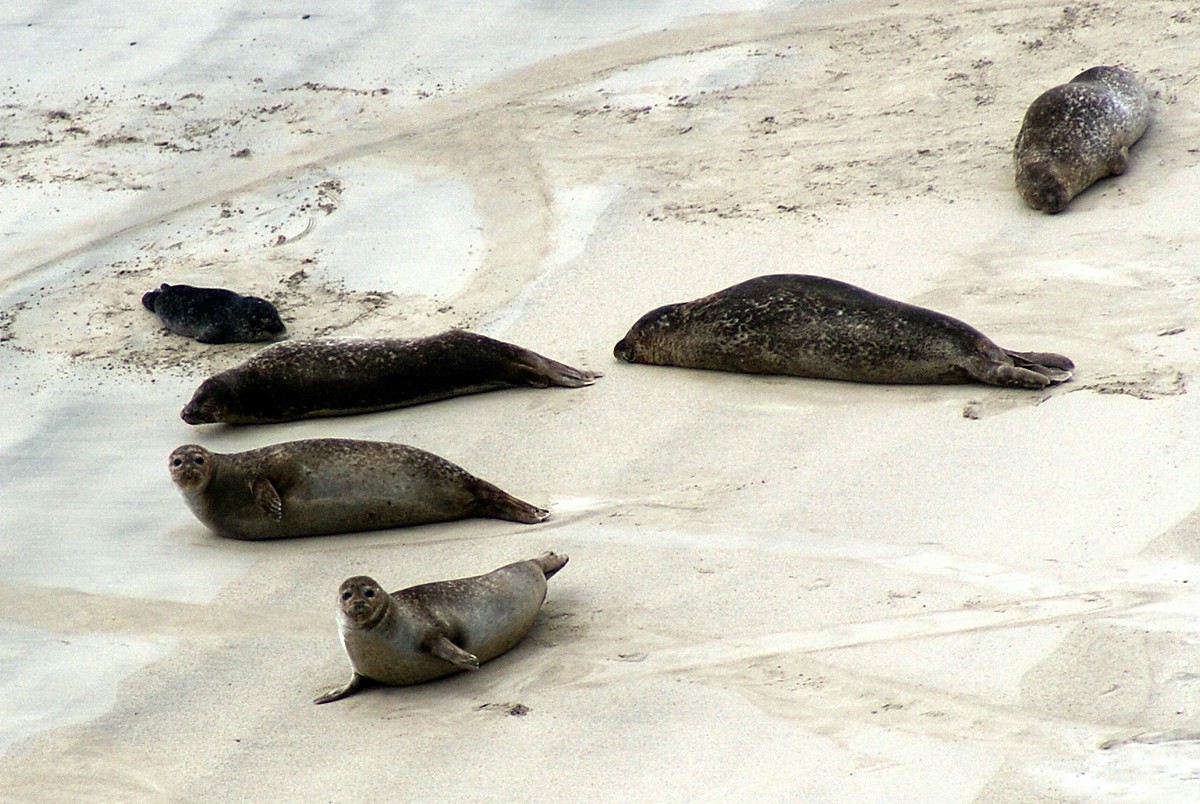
(191, 467)
(361, 602)
(258, 318)
(642, 338)
(210, 403)
(1042, 187)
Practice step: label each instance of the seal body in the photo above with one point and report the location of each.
(432, 630)
(811, 326)
(1077, 133)
(329, 485)
(337, 377)
(214, 315)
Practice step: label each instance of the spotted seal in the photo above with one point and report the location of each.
(333, 485)
(811, 326)
(427, 631)
(343, 376)
(214, 315)
(1077, 133)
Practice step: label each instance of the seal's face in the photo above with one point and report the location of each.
(636, 345)
(361, 601)
(191, 467)
(260, 317)
(1043, 188)
(209, 404)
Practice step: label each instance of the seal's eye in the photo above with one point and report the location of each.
(346, 595)
(177, 462)
(199, 461)
(368, 593)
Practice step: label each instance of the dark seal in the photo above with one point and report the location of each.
(432, 630)
(810, 326)
(339, 377)
(214, 315)
(332, 485)
(1076, 134)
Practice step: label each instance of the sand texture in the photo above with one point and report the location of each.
(779, 589)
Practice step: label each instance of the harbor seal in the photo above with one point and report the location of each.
(1077, 133)
(333, 485)
(432, 630)
(810, 326)
(339, 377)
(214, 315)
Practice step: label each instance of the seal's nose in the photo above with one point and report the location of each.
(623, 351)
(190, 414)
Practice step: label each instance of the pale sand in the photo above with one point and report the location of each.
(779, 589)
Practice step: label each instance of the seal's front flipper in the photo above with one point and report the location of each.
(267, 498)
(355, 684)
(1054, 367)
(213, 334)
(1118, 164)
(443, 648)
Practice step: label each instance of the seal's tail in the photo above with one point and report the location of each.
(550, 563)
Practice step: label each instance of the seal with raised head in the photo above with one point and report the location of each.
(1077, 133)
(811, 326)
(214, 315)
(344, 376)
(427, 631)
(333, 485)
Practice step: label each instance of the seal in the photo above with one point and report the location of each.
(214, 315)
(333, 485)
(432, 630)
(811, 326)
(344, 376)
(1077, 133)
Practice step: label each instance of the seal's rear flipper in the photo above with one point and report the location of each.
(496, 503)
(550, 563)
(1054, 367)
(542, 372)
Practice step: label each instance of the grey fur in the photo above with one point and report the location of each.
(811, 326)
(1076, 134)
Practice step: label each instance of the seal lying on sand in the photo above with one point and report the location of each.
(435, 629)
(1078, 133)
(338, 377)
(810, 326)
(333, 485)
(214, 315)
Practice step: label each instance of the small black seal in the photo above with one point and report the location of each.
(214, 315)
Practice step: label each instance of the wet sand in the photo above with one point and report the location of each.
(779, 589)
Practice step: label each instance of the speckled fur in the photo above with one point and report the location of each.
(810, 326)
(333, 485)
(214, 315)
(337, 377)
(388, 638)
(1077, 133)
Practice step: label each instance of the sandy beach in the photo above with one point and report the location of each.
(780, 589)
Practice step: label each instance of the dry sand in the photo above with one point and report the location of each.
(779, 589)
